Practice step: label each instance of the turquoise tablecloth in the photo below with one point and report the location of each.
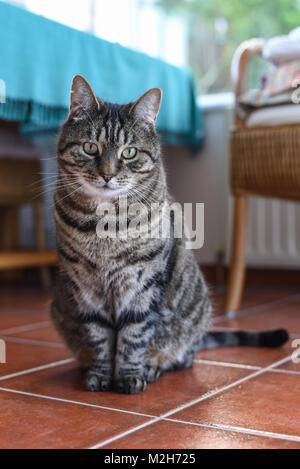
(39, 57)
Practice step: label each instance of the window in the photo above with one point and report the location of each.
(217, 27)
(138, 24)
(202, 34)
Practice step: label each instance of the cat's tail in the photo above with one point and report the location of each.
(274, 338)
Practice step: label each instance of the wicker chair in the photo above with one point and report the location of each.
(265, 161)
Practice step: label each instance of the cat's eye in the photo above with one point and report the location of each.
(90, 148)
(129, 153)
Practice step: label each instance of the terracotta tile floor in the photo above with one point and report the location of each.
(232, 398)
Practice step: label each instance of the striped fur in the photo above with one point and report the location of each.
(128, 309)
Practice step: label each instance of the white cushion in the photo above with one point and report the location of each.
(275, 115)
(282, 49)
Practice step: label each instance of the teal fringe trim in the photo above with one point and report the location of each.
(32, 113)
(34, 117)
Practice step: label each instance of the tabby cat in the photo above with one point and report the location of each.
(128, 309)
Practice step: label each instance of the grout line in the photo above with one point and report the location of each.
(37, 368)
(153, 418)
(246, 367)
(20, 340)
(40, 325)
(195, 401)
(249, 431)
(251, 309)
(227, 364)
(85, 404)
(127, 432)
(26, 327)
(257, 308)
(229, 386)
(288, 372)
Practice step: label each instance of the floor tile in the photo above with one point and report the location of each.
(24, 298)
(294, 364)
(253, 356)
(21, 357)
(30, 422)
(47, 334)
(277, 316)
(171, 435)
(11, 318)
(252, 297)
(171, 391)
(269, 403)
(23, 306)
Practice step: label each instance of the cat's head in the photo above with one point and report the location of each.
(110, 148)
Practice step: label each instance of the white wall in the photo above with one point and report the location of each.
(204, 178)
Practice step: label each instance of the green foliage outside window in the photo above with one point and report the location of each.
(217, 27)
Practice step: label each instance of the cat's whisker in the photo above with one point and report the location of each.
(41, 181)
(73, 192)
(48, 159)
(52, 180)
(53, 185)
(147, 200)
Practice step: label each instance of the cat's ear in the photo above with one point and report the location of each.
(82, 95)
(147, 106)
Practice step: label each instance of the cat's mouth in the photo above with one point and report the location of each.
(105, 189)
(108, 185)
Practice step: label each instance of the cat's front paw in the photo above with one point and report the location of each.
(130, 384)
(97, 382)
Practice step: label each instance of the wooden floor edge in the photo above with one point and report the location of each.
(281, 277)
(23, 259)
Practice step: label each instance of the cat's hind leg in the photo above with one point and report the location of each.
(163, 362)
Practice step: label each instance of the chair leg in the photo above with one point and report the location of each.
(238, 257)
(40, 241)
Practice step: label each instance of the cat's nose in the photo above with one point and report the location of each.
(107, 177)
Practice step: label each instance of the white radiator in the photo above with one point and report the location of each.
(273, 233)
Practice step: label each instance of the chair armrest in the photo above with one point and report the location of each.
(240, 63)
